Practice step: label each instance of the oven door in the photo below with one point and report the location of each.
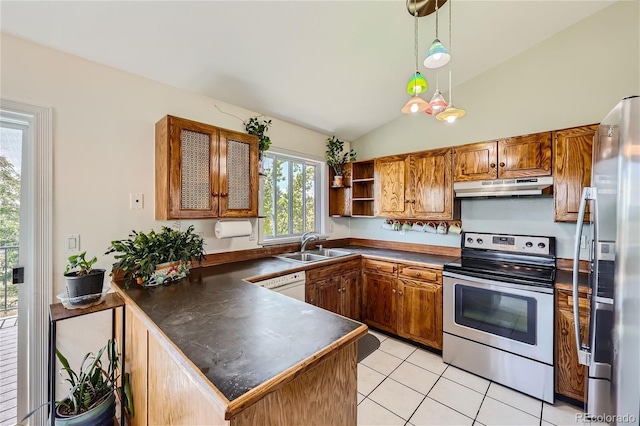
(512, 317)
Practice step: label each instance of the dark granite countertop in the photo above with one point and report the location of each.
(240, 335)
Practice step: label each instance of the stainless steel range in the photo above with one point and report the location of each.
(498, 310)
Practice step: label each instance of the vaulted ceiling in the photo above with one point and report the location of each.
(339, 67)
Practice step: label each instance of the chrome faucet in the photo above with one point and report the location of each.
(306, 237)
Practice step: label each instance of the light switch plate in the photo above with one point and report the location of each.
(136, 201)
(72, 243)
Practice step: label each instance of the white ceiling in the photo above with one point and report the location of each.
(339, 67)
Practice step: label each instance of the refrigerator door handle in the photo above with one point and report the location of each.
(584, 352)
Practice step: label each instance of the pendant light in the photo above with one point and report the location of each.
(417, 83)
(451, 113)
(437, 56)
(437, 103)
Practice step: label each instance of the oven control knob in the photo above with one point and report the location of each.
(470, 240)
(541, 245)
(479, 240)
(529, 244)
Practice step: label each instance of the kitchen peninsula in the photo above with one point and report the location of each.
(215, 349)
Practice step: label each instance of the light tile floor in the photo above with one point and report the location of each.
(401, 384)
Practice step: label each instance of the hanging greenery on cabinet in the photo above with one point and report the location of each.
(255, 126)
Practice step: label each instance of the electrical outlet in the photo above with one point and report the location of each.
(72, 243)
(583, 241)
(136, 201)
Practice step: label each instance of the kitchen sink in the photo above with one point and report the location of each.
(329, 252)
(313, 255)
(302, 257)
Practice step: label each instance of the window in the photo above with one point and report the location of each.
(291, 196)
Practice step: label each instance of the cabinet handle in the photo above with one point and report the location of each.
(417, 274)
(393, 290)
(564, 331)
(400, 292)
(492, 165)
(339, 290)
(214, 194)
(412, 201)
(378, 267)
(502, 164)
(224, 194)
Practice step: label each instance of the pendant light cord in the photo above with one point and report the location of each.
(436, 19)
(450, 49)
(415, 34)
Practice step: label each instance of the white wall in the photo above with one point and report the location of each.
(565, 81)
(104, 150)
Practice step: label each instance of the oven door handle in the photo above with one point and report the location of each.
(584, 352)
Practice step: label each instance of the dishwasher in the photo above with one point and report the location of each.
(291, 285)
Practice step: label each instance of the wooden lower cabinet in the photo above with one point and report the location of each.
(406, 302)
(168, 389)
(420, 312)
(571, 377)
(379, 300)
(336, 288)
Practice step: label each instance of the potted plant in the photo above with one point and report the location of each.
(82, 279)
(254, 126)
(337, 159)
(91, 399)
(155, 258)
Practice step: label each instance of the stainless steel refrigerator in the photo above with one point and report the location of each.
(612, 353)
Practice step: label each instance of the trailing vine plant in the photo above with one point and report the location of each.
(255, 126)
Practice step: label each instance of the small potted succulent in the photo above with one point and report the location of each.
(82, 279)
(156, 258)
(337, 158)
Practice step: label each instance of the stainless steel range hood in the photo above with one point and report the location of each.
(502, 187)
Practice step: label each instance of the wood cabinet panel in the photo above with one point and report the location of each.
(523, 156)
(420, 273)
(311, 293)
(477, 161)
(431, 188)
(571, 170)
(174, 398)
(380, 266)
(136, 365)
(571, 377)
(238, 175)
(329, 293)
(391, 173)
(420, 312)
(380, 301)
(352, 294)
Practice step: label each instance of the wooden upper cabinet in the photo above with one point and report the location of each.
(477, 161)
(430, 190)
(391, 173)
(524, 156)
(203, 171)
(238, 174)
(416, 186)
(517, 157)
(571, 170)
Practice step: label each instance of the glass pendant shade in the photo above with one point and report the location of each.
(437, 56)
(417, 84)
(437, 104)
(414, 105)
(451, 114)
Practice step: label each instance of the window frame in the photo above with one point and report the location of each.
(320, 197)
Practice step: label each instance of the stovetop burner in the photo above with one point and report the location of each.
(521, 259)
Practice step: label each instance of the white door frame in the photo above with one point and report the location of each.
(36, 253)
